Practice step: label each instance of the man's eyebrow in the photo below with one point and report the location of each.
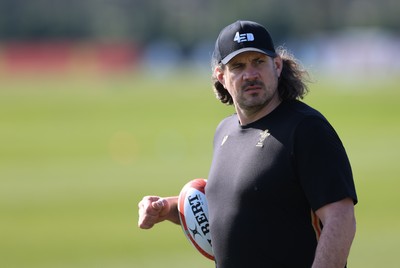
(233, 63)
(260, 57)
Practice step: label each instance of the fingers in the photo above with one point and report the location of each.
(150, 211)
(159, 204)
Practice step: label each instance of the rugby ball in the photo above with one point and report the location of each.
(193, 214)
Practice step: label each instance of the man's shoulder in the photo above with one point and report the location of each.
(292, 114)
(231, 120)
(301, 109)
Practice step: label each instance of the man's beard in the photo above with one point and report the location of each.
(256, 101)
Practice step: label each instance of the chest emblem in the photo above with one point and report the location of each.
(263, 135)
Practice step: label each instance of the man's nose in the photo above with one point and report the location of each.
(250, 73)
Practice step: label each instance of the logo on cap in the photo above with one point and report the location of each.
(246, 37)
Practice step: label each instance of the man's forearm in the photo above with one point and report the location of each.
(335, 240)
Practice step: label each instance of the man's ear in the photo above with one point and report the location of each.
(278, 62)
(219, 74)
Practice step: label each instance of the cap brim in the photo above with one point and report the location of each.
(237, 52)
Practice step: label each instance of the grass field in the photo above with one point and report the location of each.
(77, 154)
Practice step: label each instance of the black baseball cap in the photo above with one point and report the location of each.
(242, 36)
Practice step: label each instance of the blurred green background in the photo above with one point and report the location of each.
(103, 102)
(78, 154)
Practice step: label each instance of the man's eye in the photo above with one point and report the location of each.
(236, 66)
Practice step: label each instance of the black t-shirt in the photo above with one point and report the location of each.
(266, 181)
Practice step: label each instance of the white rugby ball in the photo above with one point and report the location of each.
(193, 214)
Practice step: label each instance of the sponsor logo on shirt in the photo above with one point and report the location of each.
(224, 140)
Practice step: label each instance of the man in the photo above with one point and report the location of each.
(280, 189)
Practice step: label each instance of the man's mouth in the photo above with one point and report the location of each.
(253, 86)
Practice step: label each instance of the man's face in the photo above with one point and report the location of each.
(252, 80)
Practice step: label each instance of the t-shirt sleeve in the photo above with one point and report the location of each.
(321, 163)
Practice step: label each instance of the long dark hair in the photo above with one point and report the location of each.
(292, 82)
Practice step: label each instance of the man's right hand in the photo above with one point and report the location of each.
(155, 209)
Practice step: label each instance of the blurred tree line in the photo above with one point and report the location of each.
(185, 21)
